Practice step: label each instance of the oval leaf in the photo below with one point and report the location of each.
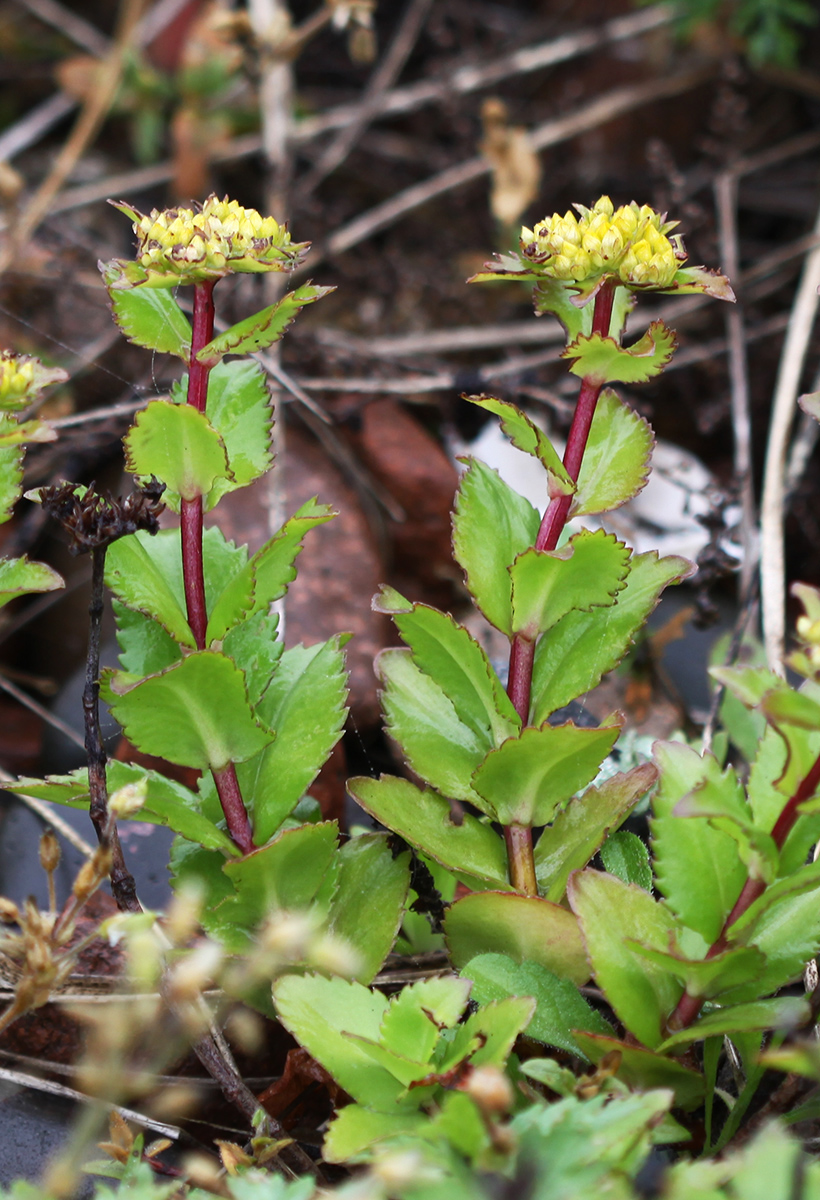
(196, 713)
(178, 445)
(586, 573)
(616, 461)
(529, 777)
(526, 928)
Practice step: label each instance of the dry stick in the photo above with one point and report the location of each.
(597, 112)
(123, 887)
(409, 99)
(772, 554)
(726, 205)
(372, 101)
(73, 26)
(466, 79)
(522, 652)
(88, 123)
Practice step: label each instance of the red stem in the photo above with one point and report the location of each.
(191, 512)
(193, 572)
(522, 649)
(689, 1006)
(233, 806)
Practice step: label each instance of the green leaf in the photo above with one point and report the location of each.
(625, 856)
(616, 460)
(784, 924)
(723, 803)
(559, 1006)
(553, 296)
(145, 646)
(612, 914)
(602, 360)
(708, 977)
(642, 1069)
(266, 576)
(525, 435)
(318, 1012)
(449, 654)
(440, 748)
(256, 650)
(11, 480)
(263, 328)
(135, 574)
(178, 445)
(195, 713)
(579, 829)
(367, 905)
(463, 844)
(166, 802)
(484, 502)
(19, 576)
(305, 705)
(285, 874)
(152, 318)
(239, 408)
(418, 1013)
(355, 1129)
(531, 776)
(779, 761)
(586, 573)
(526, 928)
(786, 1013)
(697, 867)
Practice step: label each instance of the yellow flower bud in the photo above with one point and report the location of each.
(187, 245)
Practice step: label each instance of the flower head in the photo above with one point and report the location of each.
(23, 378)
(630, 245)
(192, 245)
(630, 242)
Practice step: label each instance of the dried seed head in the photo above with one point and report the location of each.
(49, 851)
(9, 912)
(490, 1089)
(127, 801)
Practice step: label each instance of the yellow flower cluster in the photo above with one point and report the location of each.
(191, 245)
(629, 242)
(22, 378)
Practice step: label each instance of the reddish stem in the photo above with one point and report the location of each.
(522, 649)
(191, 512)
(192, 568)
(203, 332)
(233, 806)
(193, 571)
(689, 1006)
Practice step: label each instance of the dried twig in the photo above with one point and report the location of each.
(88, 123)
(772, 552)
(71, 24)
(726, 205)
(372, 101)
(599, 111)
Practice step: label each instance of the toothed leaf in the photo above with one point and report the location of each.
(616, 461)
(588, 572)
(602, 360)
(178, 445)
(261, 330)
